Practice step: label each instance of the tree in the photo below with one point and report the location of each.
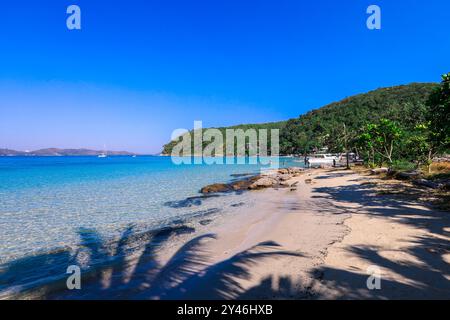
(381, 138)
(439, 117)
(340, 141)
(418, 146)
(365, 142)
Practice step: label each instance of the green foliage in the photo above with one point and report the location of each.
(406, 105)
(418, 147)
(403, 165)
(167, 149)
(439, 116)
(380, 139)
(346, 125)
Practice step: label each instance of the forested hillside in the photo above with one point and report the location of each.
(331, 125)
(167, 149)
(324, 127)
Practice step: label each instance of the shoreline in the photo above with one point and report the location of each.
(321, 241)
(314, 241)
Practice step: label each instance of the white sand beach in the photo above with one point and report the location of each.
(315, 242)
(318, 240)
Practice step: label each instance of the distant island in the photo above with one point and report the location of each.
(55, 152)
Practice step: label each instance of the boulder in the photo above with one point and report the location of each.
(243, 184)
(295, 170)
(265, 182)
(284, 177)
(217, 187)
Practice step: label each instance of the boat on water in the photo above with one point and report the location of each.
(104, 153)
(322, 159)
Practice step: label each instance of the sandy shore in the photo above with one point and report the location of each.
(320, 241)
(316, 241)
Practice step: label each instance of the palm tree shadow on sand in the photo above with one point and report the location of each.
(427, 277)
(188, 274)
(129, 268)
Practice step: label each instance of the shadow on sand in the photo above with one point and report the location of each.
(129, 268)
(428, 277)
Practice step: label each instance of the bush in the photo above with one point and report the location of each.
(402, 165)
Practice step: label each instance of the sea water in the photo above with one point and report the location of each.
(45, 202)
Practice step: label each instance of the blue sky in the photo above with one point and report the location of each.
(140, 69)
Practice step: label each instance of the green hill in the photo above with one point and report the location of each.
(321, 127)
(167, 149)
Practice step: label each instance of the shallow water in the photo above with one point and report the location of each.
(44, 201)
(47, 202)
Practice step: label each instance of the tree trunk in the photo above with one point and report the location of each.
(430, 161)
(348, 161)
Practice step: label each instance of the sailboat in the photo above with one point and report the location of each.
(103, 154)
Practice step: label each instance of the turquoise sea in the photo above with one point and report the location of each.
(46, 201)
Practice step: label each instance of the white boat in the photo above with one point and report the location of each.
(104, 153)
(322, 159)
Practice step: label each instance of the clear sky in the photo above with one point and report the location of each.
(140, 69)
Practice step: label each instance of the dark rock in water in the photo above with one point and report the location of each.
(228, 187)
(243, 184)
(203, 213)
(188, 202)
(217, 187)
(239, 175)
(205, 222)
(240, 204)
(176, 230)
